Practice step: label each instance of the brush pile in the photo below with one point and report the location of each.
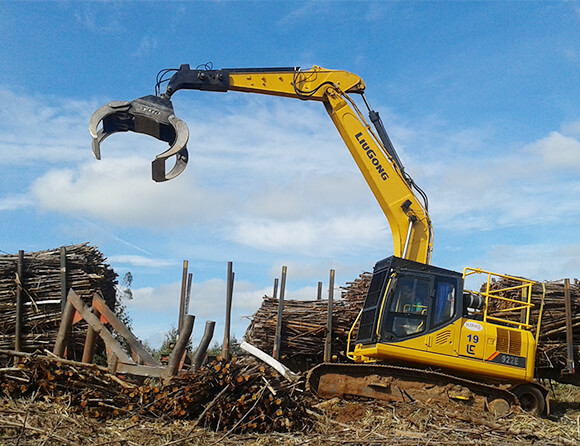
(41, 291)
(238, 396)
(552, 340)
(45, 401)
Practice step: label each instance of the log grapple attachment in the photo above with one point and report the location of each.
(150, 115)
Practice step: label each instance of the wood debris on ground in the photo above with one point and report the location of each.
(36, 421)
(239, 395)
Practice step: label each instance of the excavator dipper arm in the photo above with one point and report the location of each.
(374, 155)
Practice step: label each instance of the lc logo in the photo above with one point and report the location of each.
(471, 347)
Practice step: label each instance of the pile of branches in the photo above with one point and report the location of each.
(304, 324)
(86, 272)
(551, 351)
(235, 396)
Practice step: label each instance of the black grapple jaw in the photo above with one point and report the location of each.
(151, 115)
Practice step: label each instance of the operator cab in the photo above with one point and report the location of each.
(407, 299)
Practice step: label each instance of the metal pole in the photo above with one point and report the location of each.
(229, 296)
(412, 220)
(278, 338)
(18, 326)
(328, 340)
(182, 296)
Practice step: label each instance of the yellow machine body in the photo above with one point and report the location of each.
(466, 347)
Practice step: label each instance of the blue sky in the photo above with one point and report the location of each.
(481, 100)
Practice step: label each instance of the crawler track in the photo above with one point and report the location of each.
(396, 383)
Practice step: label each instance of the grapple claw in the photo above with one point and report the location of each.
(151, 115)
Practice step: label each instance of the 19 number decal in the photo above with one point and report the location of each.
(472, 339)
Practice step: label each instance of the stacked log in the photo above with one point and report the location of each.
(41, 291)
(304, 324)
(236, 396)
(355, 292)
(551, 350)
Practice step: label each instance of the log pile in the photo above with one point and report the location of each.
(41, 291)
(304, 324)
(238, 396)
(552, 340)
(355, 292)
(304, 328)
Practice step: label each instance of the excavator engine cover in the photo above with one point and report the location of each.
(151, 115)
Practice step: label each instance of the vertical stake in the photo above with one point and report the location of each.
(19, 280)
(275, 291)
(182, 296)
(569, 333)
(188, 293)
(63, 290)
(319, 295)
(328, 340)
(229, 296)
(199, 355)
(278, 338)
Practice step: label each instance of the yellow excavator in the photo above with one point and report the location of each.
(419, 335)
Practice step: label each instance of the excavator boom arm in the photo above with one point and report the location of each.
(374, 156)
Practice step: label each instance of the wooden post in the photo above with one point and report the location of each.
(101, 308)
(570, 366)
(182, 296)
(64, 328)
(86, 313)
(90, 342)
(179, 349)
(201, 351)
(188, 293)
(63, 285)
(319, 294)
(229, 297)
(275, 290)
(278, 338)
(328, 340)
(18, 322)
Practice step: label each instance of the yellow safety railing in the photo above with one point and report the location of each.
(349, 353)
(510, 305)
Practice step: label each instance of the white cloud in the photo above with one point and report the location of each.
(141, 261)
(529, 260)
(15, 202)
(43, 130)
(146, 47)
(557, 151)
(326, 237)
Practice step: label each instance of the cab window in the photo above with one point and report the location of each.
(408, 307)
(444, 305)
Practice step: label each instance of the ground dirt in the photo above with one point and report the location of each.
(28, 421)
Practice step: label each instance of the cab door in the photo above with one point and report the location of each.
(444, 336)
(405, 311)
